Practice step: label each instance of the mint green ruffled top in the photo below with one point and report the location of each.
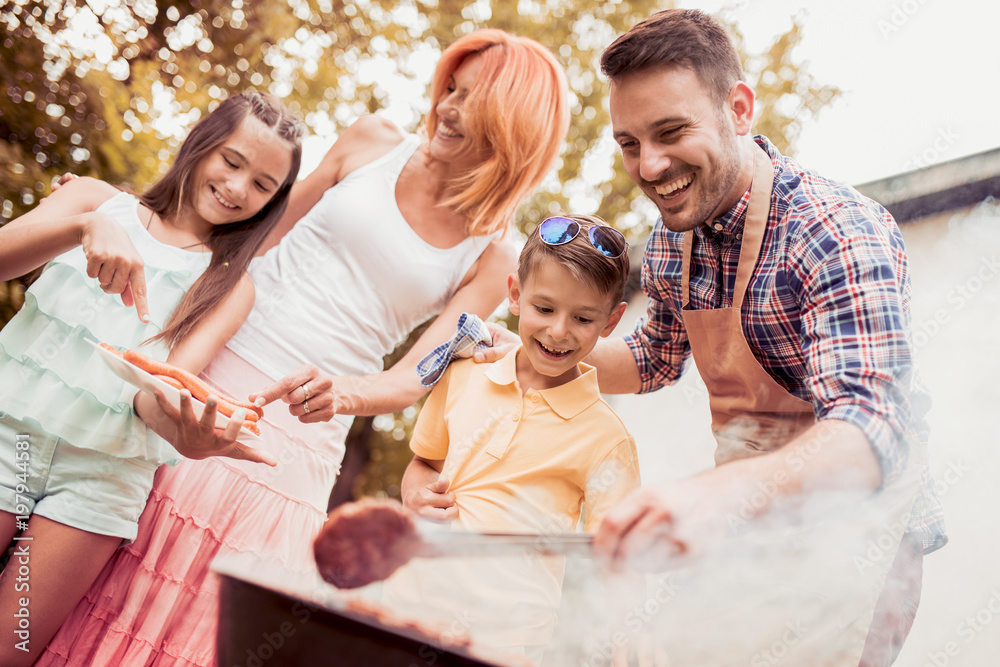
(51, 376)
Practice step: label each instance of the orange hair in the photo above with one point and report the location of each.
(518, 111)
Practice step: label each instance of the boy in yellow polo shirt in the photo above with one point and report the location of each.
(520, 445)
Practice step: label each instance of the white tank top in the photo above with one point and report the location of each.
(350, 280)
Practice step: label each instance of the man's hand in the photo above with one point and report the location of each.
(656, 529)
(200, 438)
(503, 342)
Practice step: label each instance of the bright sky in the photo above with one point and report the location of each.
(919, 78)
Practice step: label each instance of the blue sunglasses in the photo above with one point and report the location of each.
(558, 231)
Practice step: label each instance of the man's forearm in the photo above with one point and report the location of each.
(617, 372)
(831, 455)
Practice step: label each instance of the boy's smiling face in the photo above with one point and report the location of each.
(561, 319)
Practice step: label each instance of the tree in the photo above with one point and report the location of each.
(108, 88)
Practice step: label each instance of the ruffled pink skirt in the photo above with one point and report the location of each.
(156, 601)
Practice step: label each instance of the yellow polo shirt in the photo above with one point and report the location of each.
(516, 463)
(526, 463)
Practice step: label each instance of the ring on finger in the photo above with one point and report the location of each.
(305, 388)
(305, 404)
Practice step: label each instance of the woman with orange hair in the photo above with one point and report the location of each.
(388, 231)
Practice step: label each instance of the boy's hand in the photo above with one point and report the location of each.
(433, 501)
(503, 342)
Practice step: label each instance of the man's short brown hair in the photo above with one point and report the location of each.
(608, 275)
(681, 38)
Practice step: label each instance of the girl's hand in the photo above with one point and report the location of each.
(433, 501)
(200, 438)
(308, 392)
(113, 260)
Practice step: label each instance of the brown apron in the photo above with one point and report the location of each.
(753, 414)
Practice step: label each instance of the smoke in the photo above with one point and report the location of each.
(955, 263)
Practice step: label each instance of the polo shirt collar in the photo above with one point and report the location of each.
(566, 400)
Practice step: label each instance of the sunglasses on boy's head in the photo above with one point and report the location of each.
(558, 231)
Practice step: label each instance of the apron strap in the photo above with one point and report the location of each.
(756, 223)
(753, 232)
(686, 271)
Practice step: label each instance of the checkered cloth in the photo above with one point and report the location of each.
(471, 335)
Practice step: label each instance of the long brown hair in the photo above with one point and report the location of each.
(518, 110)
(235, 244)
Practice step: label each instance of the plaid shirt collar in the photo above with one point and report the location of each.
(728, 227)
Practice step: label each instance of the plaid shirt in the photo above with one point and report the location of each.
(827, 313)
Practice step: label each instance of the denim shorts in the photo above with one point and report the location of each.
(83, 488)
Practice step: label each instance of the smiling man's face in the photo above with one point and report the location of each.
(678, 144)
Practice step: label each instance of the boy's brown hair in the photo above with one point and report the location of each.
(609, 275)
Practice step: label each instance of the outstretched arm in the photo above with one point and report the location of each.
(655, 525)
(68, 218)
(399, 387)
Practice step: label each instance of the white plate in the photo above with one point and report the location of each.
(143, 380)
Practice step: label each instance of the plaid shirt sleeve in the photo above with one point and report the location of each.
(659, 342)
(848, 271)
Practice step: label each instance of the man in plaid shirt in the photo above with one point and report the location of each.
(806, 343)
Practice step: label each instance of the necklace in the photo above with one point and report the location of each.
(150, 222)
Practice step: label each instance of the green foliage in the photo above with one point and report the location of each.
(107, 89)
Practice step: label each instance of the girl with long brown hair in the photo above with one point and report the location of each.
(390, 230)
(76, 459)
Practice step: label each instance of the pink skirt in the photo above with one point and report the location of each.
(156, 601)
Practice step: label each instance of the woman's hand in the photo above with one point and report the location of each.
(63, 180)
(308, 392)
(504, 341)
(201, 438)
(114, 261)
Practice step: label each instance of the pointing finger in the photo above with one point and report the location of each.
(137, 283)
(284, 386)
